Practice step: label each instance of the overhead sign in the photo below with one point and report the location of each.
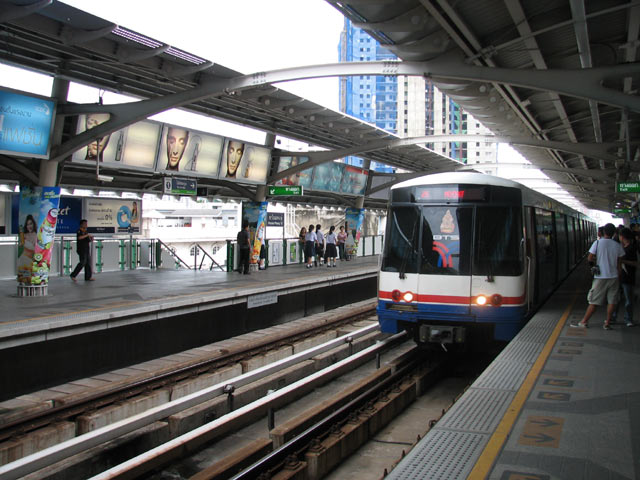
(621, 210)
(26, 123)
(180, 186)
(628, 187)
(285, 190)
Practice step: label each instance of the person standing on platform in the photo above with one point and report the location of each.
(83, 245)
(607, 255)
(310, 245)
(342, 237)
(331, 252)
(319, 245)
(302, 238)
(244, 245)
(628, 276)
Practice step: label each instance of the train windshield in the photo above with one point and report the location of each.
(401, 246)
(498, 242)
(446, 240)
(440, 240)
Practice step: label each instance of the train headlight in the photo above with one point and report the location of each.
(481, 300)
(496, 300)
(408, 297)
(396, 295)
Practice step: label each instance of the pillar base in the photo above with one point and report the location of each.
(33, 290)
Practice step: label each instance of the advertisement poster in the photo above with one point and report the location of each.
(244, 162)
(255, 213)
(354, 180)
(37, 218)
(26, 122)
(189, 151)
(328, 177)
(133, 146)
(353, 226)
(112, 215)
(284, 163)
(69, 216)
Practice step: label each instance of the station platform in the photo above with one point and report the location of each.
(558, 403)
(133, 315)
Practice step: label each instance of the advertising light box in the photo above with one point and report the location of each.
(244, 162)
(133, 146)
(189, 151)
(113, 215)
(26, 123)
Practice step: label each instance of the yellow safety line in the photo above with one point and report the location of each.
(499, 437)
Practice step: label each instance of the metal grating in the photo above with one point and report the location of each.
(446, 455)
(503, 376)
(478, 411)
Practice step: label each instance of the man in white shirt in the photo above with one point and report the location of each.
(607, 254)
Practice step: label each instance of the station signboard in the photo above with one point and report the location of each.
(285, 190)
(180, 186)
(628, 187)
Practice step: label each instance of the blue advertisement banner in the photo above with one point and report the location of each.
(69, 215)
(25, 124)
(354, 218)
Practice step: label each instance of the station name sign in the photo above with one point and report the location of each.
(628, 187)
(285, 190)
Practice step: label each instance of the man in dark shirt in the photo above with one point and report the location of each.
(244, 246)
(628, 275)
(83, 246)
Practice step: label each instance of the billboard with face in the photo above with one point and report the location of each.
(189, 151)
(133, 146)
(244, 162)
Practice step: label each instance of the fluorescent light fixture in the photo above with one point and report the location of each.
(105, 178)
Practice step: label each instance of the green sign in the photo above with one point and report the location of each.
(621, 210)
(628, 187)
(285, 190)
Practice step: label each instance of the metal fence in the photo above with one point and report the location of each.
(114, 254)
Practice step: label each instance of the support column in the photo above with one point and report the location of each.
(261, 193)
(49, 169)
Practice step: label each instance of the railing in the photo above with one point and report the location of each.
(129, 253)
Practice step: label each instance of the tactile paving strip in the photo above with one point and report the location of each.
(450, 455)
(478, 411)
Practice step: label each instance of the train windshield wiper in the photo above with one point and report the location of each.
(407, 251)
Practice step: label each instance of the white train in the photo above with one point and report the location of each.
(468, 257)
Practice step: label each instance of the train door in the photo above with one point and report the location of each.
(445, 262)
(531, 256)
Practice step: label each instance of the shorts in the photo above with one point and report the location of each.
(604, 291)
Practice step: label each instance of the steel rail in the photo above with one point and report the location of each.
(51, 455)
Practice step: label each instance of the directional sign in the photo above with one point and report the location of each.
(621, 210)
(180, 186)
(558, 397)
(542, 431)
(285, 190)
(628, 187)
(558, 382)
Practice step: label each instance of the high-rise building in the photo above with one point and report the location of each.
(405, 106)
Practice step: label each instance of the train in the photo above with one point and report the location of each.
(469, 257)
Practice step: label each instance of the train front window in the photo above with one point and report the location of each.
(498, 242)
(446, 240)
(401, 245)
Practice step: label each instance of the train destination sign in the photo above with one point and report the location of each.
(285, 190)
(455, 193)
(628, 187)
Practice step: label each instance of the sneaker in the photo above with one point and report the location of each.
(579, 325)
(630, 324)
(328, 266)
(606, 326)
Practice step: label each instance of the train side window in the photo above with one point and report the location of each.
(498, 242)
(401, 242)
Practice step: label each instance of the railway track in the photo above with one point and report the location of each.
(16, 425)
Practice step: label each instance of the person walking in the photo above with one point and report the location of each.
(607, 255)
(83, 245)
(331, 252)
(342, 237)
(309, 245)
(244, 245)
